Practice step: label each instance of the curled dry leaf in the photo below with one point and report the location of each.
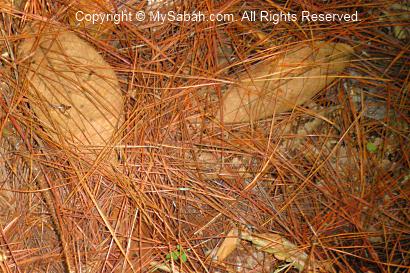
(272, 243)
(73, 91)
(281, 248)
(289, 80)
(229, 244)
(284, 250)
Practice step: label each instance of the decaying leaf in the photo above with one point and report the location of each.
(283, 250)
(272, 243)
(289, 80)
(278, 246)
(72, 90)
(229, 244)
(400, 13)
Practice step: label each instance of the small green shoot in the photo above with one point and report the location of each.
(178, 254)
(371, 147)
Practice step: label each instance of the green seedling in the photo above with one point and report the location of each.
(178, 254)
(371, 147)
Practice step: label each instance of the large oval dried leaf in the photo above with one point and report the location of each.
(72, 90)
(289, 80)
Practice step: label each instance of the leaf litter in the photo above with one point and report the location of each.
(260, 154)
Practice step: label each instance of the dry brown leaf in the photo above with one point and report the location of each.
(73, 91)
(278, 246)
(284, 250)
(289, 80)
(272, 243)
(400, 13)
(229, 244)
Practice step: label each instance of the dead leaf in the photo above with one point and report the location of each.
(73, 91)
(279, 246)
(229, 244)
(289, 80)
(400, 13)
(284, 250)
